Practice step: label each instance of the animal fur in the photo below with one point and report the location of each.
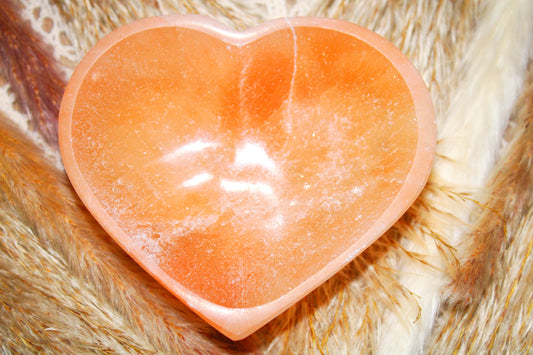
(31, 72)
(452, 275)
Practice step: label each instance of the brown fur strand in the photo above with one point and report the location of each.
(31, 71)
(492, 291)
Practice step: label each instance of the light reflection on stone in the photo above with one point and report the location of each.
(193, 147)
(253, 154)
(197, 180)
(242, 186)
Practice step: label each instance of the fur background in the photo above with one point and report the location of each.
(454, 275)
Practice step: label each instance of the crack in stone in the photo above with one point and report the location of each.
(295, 68)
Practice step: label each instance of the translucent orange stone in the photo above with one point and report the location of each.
(243, 169)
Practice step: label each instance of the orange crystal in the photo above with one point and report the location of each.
(243, 169)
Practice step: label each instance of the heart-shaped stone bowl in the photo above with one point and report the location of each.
(244, 169)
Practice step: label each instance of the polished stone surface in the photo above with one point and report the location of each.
(242, 168)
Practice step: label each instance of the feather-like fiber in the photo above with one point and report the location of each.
(485, 96)
(506, 202)
(497, 270)
(91, 19)
(480, 110)
(31, 71)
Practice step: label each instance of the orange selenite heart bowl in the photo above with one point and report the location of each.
(243, 169)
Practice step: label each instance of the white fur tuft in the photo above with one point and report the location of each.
(491, 76)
